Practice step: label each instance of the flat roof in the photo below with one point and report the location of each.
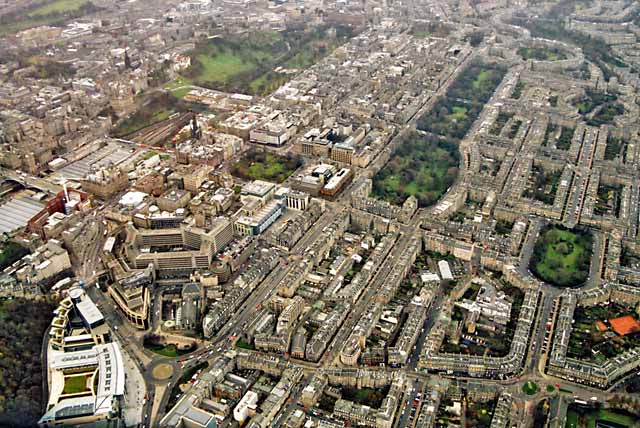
(89, 311)
(17, 212)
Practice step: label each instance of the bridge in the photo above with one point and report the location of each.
(28, 181)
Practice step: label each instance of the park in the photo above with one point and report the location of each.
(422, 166)
(562, 256)
(258, 165)
(259, 62)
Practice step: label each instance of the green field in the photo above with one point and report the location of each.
(75, 384)
(58, 6)
(542, 54)
(246, 63)
(55, 13)
(561, 256)
(266, 166)
(422, 166)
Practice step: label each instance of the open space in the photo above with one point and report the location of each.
(162, 371)
(543, 185)
(422, 166)
(54, 13)
(609, 199)
(599, 108)
(595, 337)
(453, 114)
(586, 417)
(256, 165)
(479, 414)
(542, 54)
(261, 61)
(158, 345)
(616, 148)
(76, 383)
(151, 110)
(561, 256)
(367, 396)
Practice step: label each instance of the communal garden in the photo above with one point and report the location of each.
(262, 165)
(542, 53)
(594, 337)
(422, 166)
(558, 137)
(562, 256)
(599, 108)
(543, 185)
(479, 414)
(615, 149)
(425, 165)
(259, 62)
(453, 114)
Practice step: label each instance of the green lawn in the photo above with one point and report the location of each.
(56, 12)
(459, 113)
(265, 166)
(180, 93)
(609, 416)
(75, 384)
(244, 345)
(245, 63)
(561, 256)
(367, 396)
(170, 350)
(222, 66)
(572, 419)
(422, 166)
(58, 6)
(483, 77)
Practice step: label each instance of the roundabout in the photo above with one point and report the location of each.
(161, 371)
